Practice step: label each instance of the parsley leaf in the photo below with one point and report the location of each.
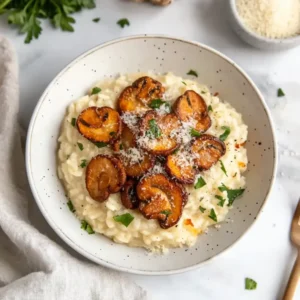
(100, 144)
(175, 151)
(209, 108)
(80, 146)
(202, 209)
(71, 207)
(213, 215)
(200, 183)
(83, 163)
(194, 133)
(193, 73)
(223, 168)
(280, 93)
(166, 212)
(123, 22)
(73, 122)
(96, 20)
(183, 82)
(250, 284)
(154, 130)
(87, 227)
(125, 219)
(225, 134)
(231, 194)
(157, 103)
(222, 200)
(95, 91)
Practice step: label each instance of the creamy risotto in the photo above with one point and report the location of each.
(208, 197)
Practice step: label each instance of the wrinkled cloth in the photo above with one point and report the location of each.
(32, 266)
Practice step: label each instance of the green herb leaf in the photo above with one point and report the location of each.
(202, 209)
(200, 183)
(223, 168)
(222, 200)
(154, 130)
(231, 194)
(157, 103)
(95, 91)
(195, 133)
(209, 108)
(96, 20)
(87, 227)
(100, 144)
(84, 224)
(250, 284)
(112, 133)
(193, 73)
(121, 147)
(71, 207)
(203, 92)
(123, 22)
(166, 212)
(280, 93)
(83, 163)
(125, 219)
(213, 215)
(80, 146)
(183, 82)
(225, 134)
(73, 122)
(175, 151)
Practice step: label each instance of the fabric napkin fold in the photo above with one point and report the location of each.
(31, 265)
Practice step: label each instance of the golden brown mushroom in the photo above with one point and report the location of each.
(207, 150)
(99, 124)
(104, 175)
(128, 195)
(161, 199)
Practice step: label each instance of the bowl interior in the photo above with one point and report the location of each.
(158, 54)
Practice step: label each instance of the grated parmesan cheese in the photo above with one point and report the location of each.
(271, 18)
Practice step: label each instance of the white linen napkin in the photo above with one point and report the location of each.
(31, 265)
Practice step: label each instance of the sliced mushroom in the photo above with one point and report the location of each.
(99, 124)
(104, 175)
(180, 168)
(135, 161)
(155, 133)
(136, 97)
(128, 195)
(161, 199)
(207, 150)
(191, 106)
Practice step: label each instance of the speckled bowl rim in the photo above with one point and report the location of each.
(289, 40)
(47, 216)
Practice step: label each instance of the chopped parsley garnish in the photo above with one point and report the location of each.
(112, 133)
(83, 163)
(195, 133)
(175, 151)
(222, 200)
(231, 194)
(166, 212)
(223, 168)
(157, 103)
(73, 122)
(121, 147)
(87, 227)
(123, 22)
(71, 207)
(202, 209)
(213, 215)
(280, 93)
(154, 130)
(125, 219)
(80, 146)
(209, 108)
(203, 92)
(250, 284)
(96, 20)
(183, 82)
(225, 134)
(95, 90)
(200, 183)
(100, 144)
(193, 73)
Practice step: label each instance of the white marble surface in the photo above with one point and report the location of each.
(265, 253)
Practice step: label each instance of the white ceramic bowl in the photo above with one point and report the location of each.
(159, 54)
(254, 39)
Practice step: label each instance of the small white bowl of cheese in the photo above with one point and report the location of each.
(264, 24)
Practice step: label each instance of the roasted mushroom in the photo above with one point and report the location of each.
(128, 194)
(191, 106)
(99, 124)
(155, 133)
(135, 161)
(161, 199)
(104, 175)
(135, 98)
(207, 150)
(179, 167)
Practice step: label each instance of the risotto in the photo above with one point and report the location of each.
(209, 197)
